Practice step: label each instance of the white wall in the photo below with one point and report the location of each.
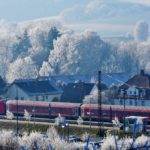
(134, 102)
(14, 91)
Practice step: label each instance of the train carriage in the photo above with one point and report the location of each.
(92, 110)
(2, 107)
(108, 112)
(68, 110)
(40, 109)
(44, 109)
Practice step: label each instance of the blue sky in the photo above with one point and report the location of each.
(20, 10)
(114, 17)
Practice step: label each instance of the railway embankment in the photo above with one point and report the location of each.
(73, 129)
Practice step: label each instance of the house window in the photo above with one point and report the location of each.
(143, 103)
(112, 102)
(46, 97)
(130, 92)
(16, 98)
(43, 98)
(121, 102)
(134, 92)
(135, 102)
(130, 102)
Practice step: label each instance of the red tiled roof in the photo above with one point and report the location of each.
(141, 81)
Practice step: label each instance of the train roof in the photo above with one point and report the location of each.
(64, 104)
(116, 107)
(136, 117)
(42, 103)
(27, 103)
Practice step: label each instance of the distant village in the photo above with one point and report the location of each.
(81, 89)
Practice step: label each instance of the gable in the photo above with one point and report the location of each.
(76, 91)
(36, 87)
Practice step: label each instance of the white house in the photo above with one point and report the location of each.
(33, 90)
(135, 92)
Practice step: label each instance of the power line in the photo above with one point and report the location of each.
(121, 81)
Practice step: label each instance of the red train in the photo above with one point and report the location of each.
(72, 110)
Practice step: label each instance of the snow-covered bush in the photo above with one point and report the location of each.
(9, 115)
(109, 143)
(52, 140)
(8, 139)
(59, 143)
(34, 141)
(142, 141)
(113, 143)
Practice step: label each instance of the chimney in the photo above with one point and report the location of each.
(142, 73)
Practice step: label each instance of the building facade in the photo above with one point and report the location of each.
(135, 92)
(33, 90)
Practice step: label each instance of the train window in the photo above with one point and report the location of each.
(37, 98)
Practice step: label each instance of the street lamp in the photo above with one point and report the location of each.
(90, 112)
(67, 125)
(49, 110)
(17, 128)
(80, 120)
(124, 107)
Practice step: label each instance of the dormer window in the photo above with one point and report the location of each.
(132, 91)
(122, 92)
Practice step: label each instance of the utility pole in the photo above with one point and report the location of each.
(99, 103)
(17, 130)
(90, 114)
(33, 111)
(49, 110)
(124, 107)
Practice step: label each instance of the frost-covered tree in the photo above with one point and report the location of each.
(22, 46)
(42, 43)
(53, 34)
(77, 54)
(22, 68)
(141, 31)
(127, 57)
(147, 68)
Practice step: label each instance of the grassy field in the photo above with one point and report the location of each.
(74, 129)
(43, 127)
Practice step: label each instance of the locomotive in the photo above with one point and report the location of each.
(72, 110)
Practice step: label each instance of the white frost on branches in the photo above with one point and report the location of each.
(76, 53)
(9, 115)
(27, 115)
(141, 31)
(22, 68)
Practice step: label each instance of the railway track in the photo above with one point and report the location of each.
(52, 121)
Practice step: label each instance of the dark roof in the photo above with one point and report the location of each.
(75, 92)
(2, 85)
(141, 80)
(107, 78)
(36, 86)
